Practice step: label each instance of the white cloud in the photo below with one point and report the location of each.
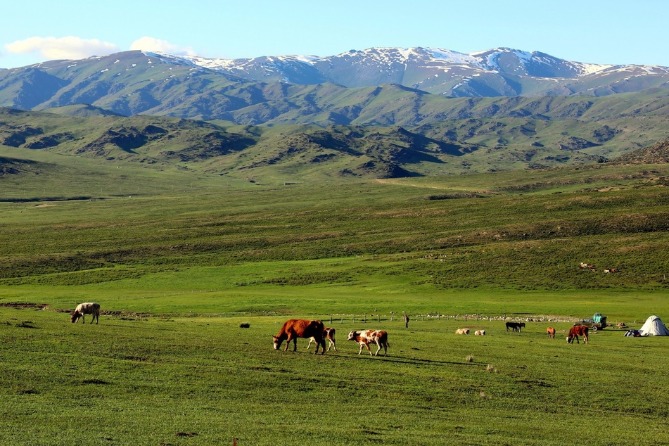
(69, 47)
(160, 46)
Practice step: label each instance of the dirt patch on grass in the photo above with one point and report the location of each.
(24, 305)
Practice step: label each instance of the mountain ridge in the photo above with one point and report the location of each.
(421, 68)
(135, 82)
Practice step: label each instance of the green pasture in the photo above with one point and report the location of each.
(151, 380)
(179, 259)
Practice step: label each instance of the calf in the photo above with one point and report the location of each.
(86, 308)
(462, 331)
(366, 337)
(479, 333)
(329, 335)
(550, 331)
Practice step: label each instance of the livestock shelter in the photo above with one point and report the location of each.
(654, 327)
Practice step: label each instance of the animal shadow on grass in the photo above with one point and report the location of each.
(402, 360)
(95, 381)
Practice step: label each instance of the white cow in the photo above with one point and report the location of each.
(86, 308)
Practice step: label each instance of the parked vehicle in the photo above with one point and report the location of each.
(598, 322)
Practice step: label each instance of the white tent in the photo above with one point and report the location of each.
(654, 327)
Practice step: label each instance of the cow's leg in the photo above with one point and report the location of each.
(309, 344)
(322, 347)
(368, 349)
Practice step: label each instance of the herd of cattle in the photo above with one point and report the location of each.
(318, 333)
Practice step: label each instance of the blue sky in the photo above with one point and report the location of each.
(594, 31)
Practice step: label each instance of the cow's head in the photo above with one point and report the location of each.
(75, 316)
(277, 342)
(352, 335)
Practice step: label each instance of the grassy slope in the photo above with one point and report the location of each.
(188, 257)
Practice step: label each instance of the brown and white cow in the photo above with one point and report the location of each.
(550, 331)
(366, 337)
(86, 308)
(462, 331)
(300, 328)
(576, 331)
(329, 335)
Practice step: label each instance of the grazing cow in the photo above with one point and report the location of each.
(329, 335)
(515, 326)
(589, 266)
(462, 331)
(479, 333)
(300, 328)
(86, 308)
(550, 331)
(366, 337)
(576, 331)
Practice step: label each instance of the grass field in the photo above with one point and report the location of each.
(203, 380)
(179, 260)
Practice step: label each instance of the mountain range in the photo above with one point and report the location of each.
(496, 72)
(257, 90)
(387, 111)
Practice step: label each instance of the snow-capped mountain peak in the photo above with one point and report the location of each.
(496, 72)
